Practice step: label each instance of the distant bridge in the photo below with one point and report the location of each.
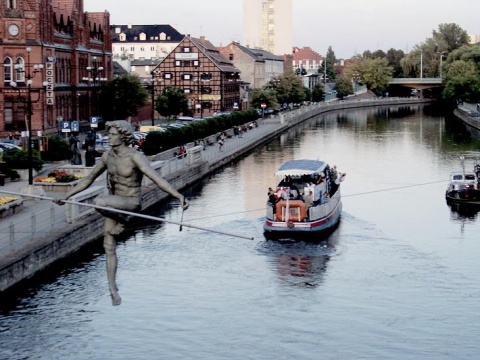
(417, 83)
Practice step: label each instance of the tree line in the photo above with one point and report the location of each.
(446, 54)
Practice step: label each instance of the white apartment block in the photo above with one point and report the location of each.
(140, 48)
(267, 24)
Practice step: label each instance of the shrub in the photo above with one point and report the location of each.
(57, 149)
(161, 141)
(18, 159)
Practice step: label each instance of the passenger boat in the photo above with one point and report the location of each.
(305, 201)
(464, 186)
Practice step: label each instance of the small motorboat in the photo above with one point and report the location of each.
(305, 201)
(464, 186)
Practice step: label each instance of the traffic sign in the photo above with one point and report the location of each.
(263, 106)
(75, 126)
(94, 122)
(66, 127)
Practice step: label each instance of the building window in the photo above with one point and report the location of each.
(11, 4)
(186, 49)
(196, 63)
(167, 76)
(206, 90)
(163, 36)
(231, 57)
(187, 91)
(178, 63)
(7, 70)
(187, 77)
(123, 37)
(143, 36)
(20, 70)
(206, 76)
(132, 48)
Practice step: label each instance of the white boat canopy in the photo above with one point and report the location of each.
(300, 167)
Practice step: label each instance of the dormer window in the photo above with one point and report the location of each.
(143, 37)
(163, 36)
(123, 37)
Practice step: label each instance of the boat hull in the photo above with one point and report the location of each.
(473, 200)
(293, 229)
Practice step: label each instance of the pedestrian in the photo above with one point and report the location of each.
(221, 142)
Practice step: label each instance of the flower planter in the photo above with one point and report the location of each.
(10, 208)
(56, 186)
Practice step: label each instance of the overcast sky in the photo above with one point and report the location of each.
(349, 26)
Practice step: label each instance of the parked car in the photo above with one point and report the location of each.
(4, 146)
(148, 128)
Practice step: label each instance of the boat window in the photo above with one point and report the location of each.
(457, 177)
(470, 177)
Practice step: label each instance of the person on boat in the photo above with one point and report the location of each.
(125, 169)
(308, 197)
(271, 196)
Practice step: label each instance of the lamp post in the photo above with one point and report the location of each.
(151, 87)
(356, 77)
(94, 80)
(29, 75)
(441, 63)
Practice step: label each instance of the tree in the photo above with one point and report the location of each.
(344, 87)
(262, 96)
(329, 61)
(452, 35)
(171, 102)
(394, 57)
(425, 58)
(125, 95)
(374, 73)
(288, 88)
(462, 74)
(318, 92)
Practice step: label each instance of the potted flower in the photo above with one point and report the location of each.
(57, 180)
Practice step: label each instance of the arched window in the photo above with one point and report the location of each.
(7, 70)
(11, 4)
(163, 36)
(20, 70)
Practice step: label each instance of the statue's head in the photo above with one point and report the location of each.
(124, 128)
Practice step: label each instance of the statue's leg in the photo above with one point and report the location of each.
(117, 202)
(110, 245)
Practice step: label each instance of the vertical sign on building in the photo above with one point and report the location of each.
(50, 78)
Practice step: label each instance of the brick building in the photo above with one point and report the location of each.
(209, 79)
(56, 55)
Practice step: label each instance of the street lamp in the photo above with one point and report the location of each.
(29, 75)
(441, 63)
(94, 80)
(355, 78)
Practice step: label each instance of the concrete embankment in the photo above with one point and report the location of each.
(21, 262)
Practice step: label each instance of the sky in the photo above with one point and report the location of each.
(348, 26)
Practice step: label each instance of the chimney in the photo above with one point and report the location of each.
(202, 39)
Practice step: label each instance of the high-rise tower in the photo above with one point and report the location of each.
(267, 24)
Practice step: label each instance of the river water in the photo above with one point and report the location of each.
(398, 279)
